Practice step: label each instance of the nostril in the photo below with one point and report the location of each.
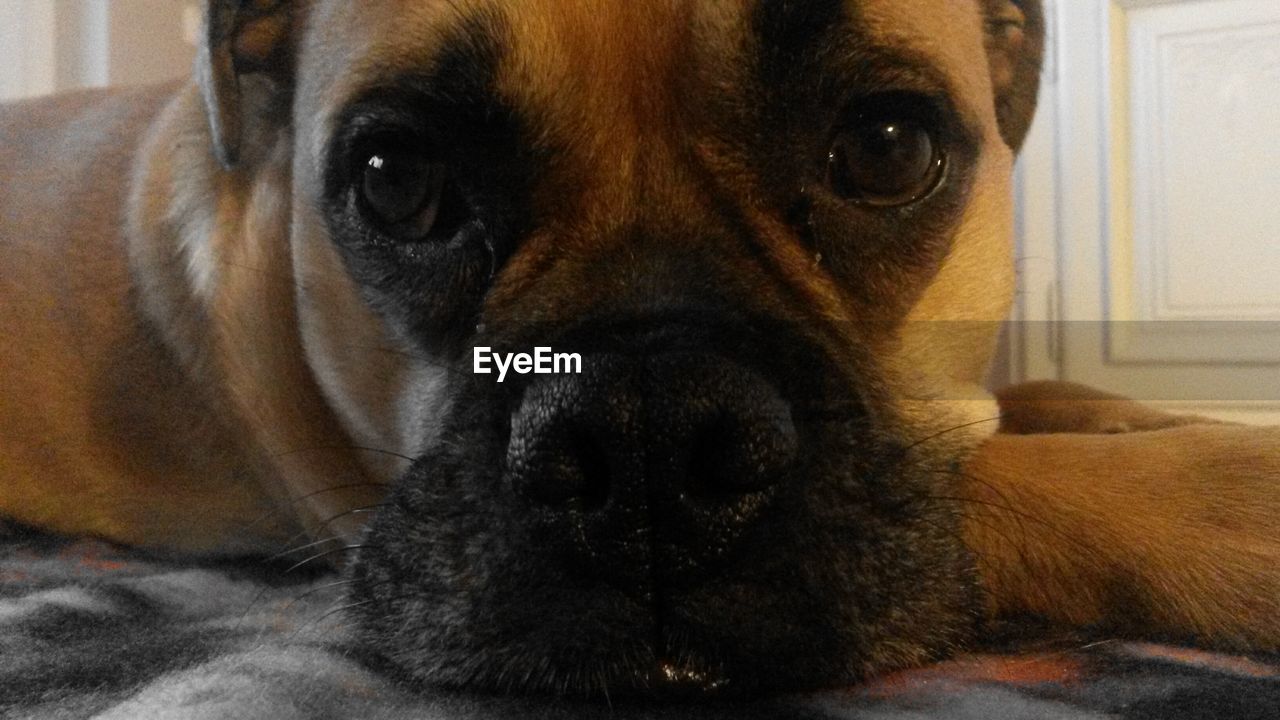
(570, 472)
(735, 454)
(710, 465)
(592, 471)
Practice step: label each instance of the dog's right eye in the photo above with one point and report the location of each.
(405, 192)
(888, 152)
(400, 187)
(885, 162)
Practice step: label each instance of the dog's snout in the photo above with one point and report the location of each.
(723, 442)
(651, 466)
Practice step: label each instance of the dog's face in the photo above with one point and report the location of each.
(777, 232)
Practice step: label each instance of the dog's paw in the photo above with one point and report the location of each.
(1060, 407)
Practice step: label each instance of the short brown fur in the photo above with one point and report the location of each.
(173, 375)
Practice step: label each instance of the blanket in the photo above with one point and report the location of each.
(89, 630)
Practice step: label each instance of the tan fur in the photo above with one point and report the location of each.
(1172, 532)
(188, 366)
(98, 422)
(941, 354)
(237, 286)
(1091, 509)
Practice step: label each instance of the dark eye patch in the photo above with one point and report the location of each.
(827, 104)
(426, 189)
(791, 34)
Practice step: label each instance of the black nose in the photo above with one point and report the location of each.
(650, 467)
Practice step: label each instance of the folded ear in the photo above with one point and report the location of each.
(241, 38)
(1015, 48)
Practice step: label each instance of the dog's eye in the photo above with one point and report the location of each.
(402, 189)
(885, 161)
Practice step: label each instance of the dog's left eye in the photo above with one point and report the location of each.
(404, 192)
(885, 160)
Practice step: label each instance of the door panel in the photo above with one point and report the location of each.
(1196, 130)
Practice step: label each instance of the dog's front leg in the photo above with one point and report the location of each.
(1061, 407)
(1171, 533)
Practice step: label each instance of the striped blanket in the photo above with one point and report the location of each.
(88, 630)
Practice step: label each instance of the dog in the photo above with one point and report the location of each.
(775, 234)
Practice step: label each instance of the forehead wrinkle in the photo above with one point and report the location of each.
(947, 36)
(354, 46)
(599, 79)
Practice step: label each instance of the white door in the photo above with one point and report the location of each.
(1150, 205)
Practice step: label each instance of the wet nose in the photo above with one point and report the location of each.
(651, 467)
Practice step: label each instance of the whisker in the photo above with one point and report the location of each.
(313, 591)
(296, 500)
(366, 510)
(948, 431)
(343, 608)
(324, 525)
(1017, 544)
(296, 599)
(1008, 507)
(328, 614)
(285, 553)
(352, 486)
(356, 448)
(982, 503)
(263, 591)
(322, 555)
(1008, 502)
(245, 614)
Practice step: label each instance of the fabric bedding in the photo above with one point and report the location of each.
(88, 630)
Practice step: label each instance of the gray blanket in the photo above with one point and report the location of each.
(90, 630)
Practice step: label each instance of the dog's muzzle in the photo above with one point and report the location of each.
(645, 470)
(714, 504)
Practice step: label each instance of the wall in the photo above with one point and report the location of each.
(58, 45)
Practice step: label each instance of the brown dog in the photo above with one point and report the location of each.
(776, 235)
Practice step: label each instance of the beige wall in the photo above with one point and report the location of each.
(124, 42)
(56, 45)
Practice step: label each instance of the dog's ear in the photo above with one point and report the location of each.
(241, 38)
(1015, 48)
